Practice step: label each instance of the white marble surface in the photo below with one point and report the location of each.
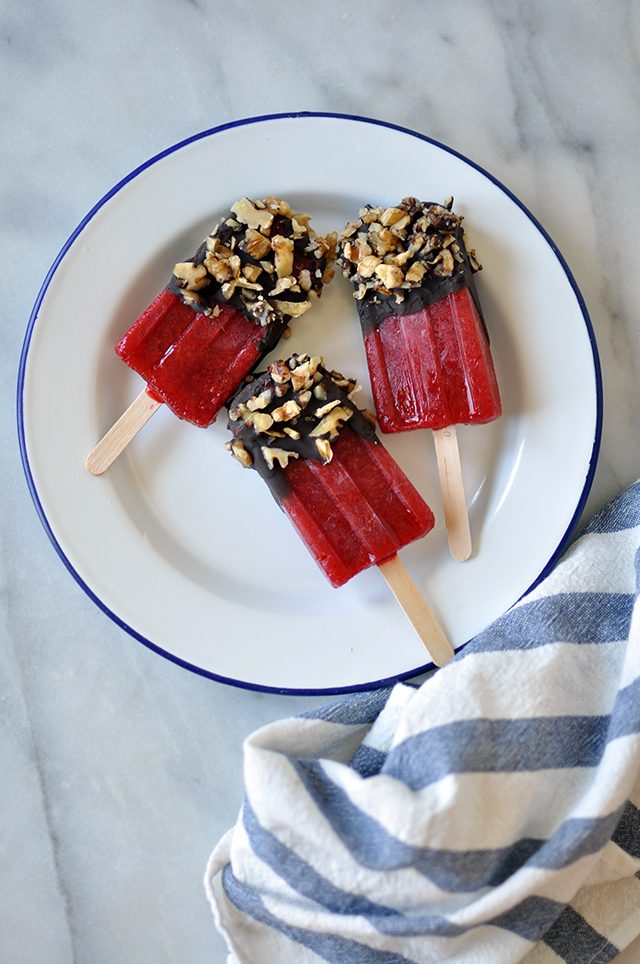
(120, 769)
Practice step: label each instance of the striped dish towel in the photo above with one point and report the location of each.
(488, 815)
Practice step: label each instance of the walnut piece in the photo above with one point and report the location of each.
(259, 401)
(262, 421)
(283, 248)
(324, 450)
(273, 455)
(390, 275)
(250, 215)
(284, 413)
(330, 424)
(240, 453)
(391, 249)
(291, 308)
(191, 276)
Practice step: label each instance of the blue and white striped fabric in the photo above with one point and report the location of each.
(490, 815)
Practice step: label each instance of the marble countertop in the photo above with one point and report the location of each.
(122, 770)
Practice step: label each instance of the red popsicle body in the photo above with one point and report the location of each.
(426, 343)
(355, 511)
(433, 368)
(191, 361)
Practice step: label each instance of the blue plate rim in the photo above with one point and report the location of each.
(241, 684)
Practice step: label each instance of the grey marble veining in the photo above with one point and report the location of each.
(120, 770)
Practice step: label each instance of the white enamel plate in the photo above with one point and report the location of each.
(185, 549)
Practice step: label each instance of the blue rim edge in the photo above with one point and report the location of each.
(375, 684)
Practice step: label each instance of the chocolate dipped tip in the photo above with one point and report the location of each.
(262, 258)
(389, 252)
(293, 410)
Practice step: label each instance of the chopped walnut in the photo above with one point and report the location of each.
(295, 400)
(391, 216)
(283, 248)
(368, 265)
(271, 278)
(259, 402)
(327, 408)
(240, 453)
(390, 275)
(250, 215)
(286, 412)
(281, 456)
(292, 309)
(279, 372)
(251, 272)
(330, 424)
(262, 421)
(395, 248)
(324, 449)
(191, 276)
(416, 273)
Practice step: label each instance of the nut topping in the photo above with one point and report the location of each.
(324, 448)
(283, 248)
(256, 245)
(240, 453)
(330, 424)
(390, 250)
(279, 372)
(247, 214)
(446, 266)
(259, 401)
(281, 456)
(262, 421)
(390, 275)
(265, 260)
(291, 308)
(251, 272)
(220, 271)
(191, 276)
(416, 272)
(368, 265)
(327, 408)
(295, 409)
(286, 412)
(391, 216)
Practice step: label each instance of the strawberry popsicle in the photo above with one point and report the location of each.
(349, 501)
(226, 308)
(425, 339)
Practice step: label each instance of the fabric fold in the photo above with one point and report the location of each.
(490, 814)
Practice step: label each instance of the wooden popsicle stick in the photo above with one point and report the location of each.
(416, 610)
(453, 497)
(120, 434)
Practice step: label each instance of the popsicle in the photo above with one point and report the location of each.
(219, 315)
(425, 339)
(349, 501)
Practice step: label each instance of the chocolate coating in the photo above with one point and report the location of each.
(286, 265)
(324, 387)
(413, 242)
